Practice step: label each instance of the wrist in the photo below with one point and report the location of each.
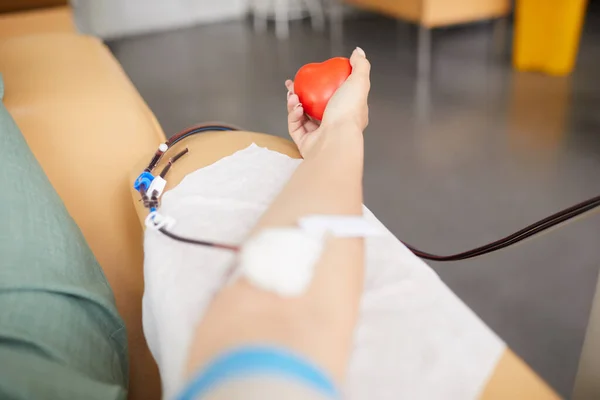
(347, 139)
(344, 127)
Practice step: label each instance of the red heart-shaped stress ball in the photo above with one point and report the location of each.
(315, 84)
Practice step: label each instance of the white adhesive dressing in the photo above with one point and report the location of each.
(281, 260)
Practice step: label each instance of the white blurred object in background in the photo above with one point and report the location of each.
(282, 11)
(117, 18)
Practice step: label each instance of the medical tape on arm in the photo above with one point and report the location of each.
(282, 260)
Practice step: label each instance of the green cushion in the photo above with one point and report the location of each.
(60, 334)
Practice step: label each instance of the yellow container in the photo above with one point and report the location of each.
(547, 34)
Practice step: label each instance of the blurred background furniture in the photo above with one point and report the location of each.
(547, 35)
(429, 14)
(22, 5)
(284, 10)
(49, 20)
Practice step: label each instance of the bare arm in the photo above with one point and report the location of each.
(318, 324)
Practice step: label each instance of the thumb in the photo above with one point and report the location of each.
(360, 65)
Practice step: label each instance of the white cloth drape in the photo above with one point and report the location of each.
(415, 339)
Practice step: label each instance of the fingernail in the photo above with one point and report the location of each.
(297, 106)
(360, 51)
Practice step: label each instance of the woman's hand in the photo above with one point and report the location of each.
(347, 111)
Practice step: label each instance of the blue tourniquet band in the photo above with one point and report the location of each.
(262, 361)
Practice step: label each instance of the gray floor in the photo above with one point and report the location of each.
(478, 154)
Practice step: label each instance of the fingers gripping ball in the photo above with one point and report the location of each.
(315, 84)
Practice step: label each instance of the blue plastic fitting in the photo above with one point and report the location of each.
(145, 179)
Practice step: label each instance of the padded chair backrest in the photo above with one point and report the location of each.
(87, 126)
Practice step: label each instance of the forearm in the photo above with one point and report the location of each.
(318, 324)
(330, 182)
